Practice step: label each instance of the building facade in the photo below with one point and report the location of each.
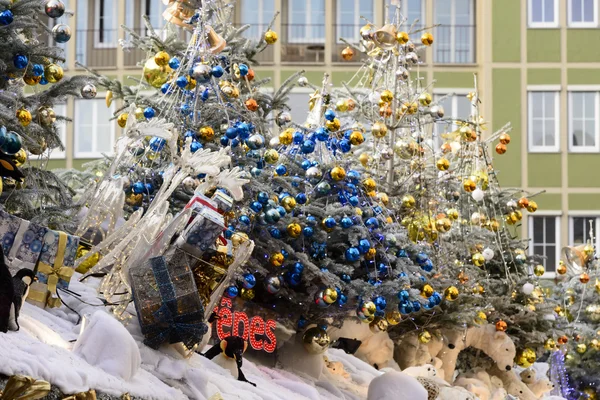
(538, 66)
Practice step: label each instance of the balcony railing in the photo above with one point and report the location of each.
(454, 44)
(303, 43)
(97, 48)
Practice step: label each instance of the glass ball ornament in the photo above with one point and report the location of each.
(156, 143)
(347, 53)
(88, 91)
(256, 141)
(314, 175)
(525, 358)
(368, 308)
(273, 284)
(231, 292)
(61, 33)
(488, 254)
(271, 36)
(532, 206)
(539, 270)
(53, 73)
(337, 173)
(271, 156)
(20, 61)
(10, 142)
(379, 324)
(330, 295)
(155, 74)
(356, 138)
(251, 105)
(478, 259)
(427, 291)
(451, 293)
(20, 158)
(477, 195)
(352, 254)
(283, 119)
(380, 303)
(501, 326)
(23, 116)
(316, 340)
(162, 58)
(323, 188)
(424, 337)
(294, 230)
(584, 278)
(54, 8)
(6, 17)
(379, 130)
(393, 317)
(562, 268)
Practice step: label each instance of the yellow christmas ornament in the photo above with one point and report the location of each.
(277, 259)
(288, 203)
(333, 125)
(481, 318)
(155, 74)
(408, 201)
(427, 39)
(451, 293)
(294, 230)
(108, 98)
(271, 37)
(581, 348)
(550, 344)
(20, 157)
(139, 114)
(356, 138)
(387, 96)
(469, 185)
(427, 291)
(443, 164)
(162, 58)
(594, 344)
(424, 337)
(478, 259)
(122, 119)
(271, 156)
(364, 159)
(379, 130)
(369, 184)
(330, 295)
(286, 137)
(539, 270)
(532, 207)
(525, 358)
(341, 105)
(24, 116)
(53, 73)
(371, 253)
(247, 294)
(32, 80)
(402, 37)
(88, 263)
(425, 99)
(337, 173)
(452, 213)
(393, 317)
(206, 133)
(368, 308)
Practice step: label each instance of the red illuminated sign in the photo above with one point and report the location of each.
(260, 333)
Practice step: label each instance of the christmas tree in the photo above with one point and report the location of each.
(33, 81)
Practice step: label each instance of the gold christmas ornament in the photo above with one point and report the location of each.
(408, 201)
(53, 73)
(427, 39)
(32, 80)
(539, 270)
(294, 230)
(589, 393)
(88, 263)
(532, 207)
(393, 317)
(378, 325)
(162, 58)
(379, 130)
(288, 203)
(24, 116)
(451, 293)
(369, 184)
(581, 348)
(443, 164)
(122, 119)
(500, 148)
(402, 37)
(286, 137)
(134, 199)
(550, 344)
(364, 159)
(387, 96)
(584, 278)
(108, 98)
(504, 138)
(347, 53)
(247, 294)
(333, 125)
(46, 116)
(427, 290)
(371, 254)
(341, 105)
(478, 259)
(525, 358)
(277, 259)
(271, 37)
(20, 157)
(594, 344)
(443, 224)
(424, 337)
(271, 156)
(155, 74)
(315, 340)
(452, 213)
(501, 326)
(337, 173)
(469, 185)
(368, 308)
(366, 32)
(330, 295)
(592, 311)
(139, 114)
(356, 138)
(425, 99)
(481, 318)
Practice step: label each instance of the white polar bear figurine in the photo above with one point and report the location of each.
(396, 385)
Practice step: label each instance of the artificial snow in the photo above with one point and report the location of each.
(113, 359)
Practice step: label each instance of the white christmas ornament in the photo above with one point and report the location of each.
(488, 254)
(274, 142)
(527, 288)
(477, 194)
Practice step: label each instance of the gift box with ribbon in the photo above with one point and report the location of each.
(9, 226)
(205, 230)
(167, 303)
(56, 264)
(27, 247)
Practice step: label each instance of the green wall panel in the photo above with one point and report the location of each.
(583, 76)
(337, 77)
(543, 45)
(584, 201)
(52, 164)
(549, 201)
(506, 32)
(78, 162)
(453, 79)
(507, 99)
(582, 45)
(543, 76)
(314, 77)
(265, 74)
(543, 170)
(580, 168)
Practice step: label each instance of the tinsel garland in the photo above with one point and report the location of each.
(559, 377)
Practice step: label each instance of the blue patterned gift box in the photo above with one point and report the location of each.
(27, 247)
(9, 226)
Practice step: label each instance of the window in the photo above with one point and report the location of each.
(583, 13)
(544, 232)
(258, 14)
(579, 230)
(349, 13)
(94, 131)
(543, 121)
(61, 128)
(542, 13)
(300, 110)
(584, 122)
(412, 10)
(456, 33)
(307, 21)
(81, 41)
(153, 9)
(456, 107)
(106, 23)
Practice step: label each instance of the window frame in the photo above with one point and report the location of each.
(583, 214)
(452, 35)
(531, 148)
(454, 92)
(260, 5)
(159, 30)
(338, 17)
(55, 154)
(542, 25)
(557, 222)
(97, 43)
(113, 130)
(581, 24)
(583, 89)
(307, 23)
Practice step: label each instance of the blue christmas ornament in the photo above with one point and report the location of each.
(323, 269)
(284, 253)
(403, 295)
(427, 266)
(20, 61)
(272, 216)
(323, 188)
(166, 88)
(37, 70)
(10, 142)
(282, 211)
(342, 299)
(301, 198)
(275, 233)
(6, 18)
(352, 254)
(322, 134)
(280, 169)
(44, 81)
(432, 302)
(382, 268)
(249, 281)
(402, 275)
(402, 253)
(185, 109)
(329, 115)
(190, 134)
(311, 220)
(346, 222)
(149, 112)
(353, 176)
(138, 187)
(302, 322)
(293, 278)
(256, 206)
(149, 188)
(416, 306)
(297, 137)
(346, 278)
(363, 246)
(377, 210)
(344, 145)
(298, 268)
(262, 197)
(353, 200)
(421, 258)
(182, 81)
(243, 69)
(205, 94)
(329, 222)
(217, 71)
(305, 165)
(380, 303)
(235, 143)
(231, 292)
(308, 146)
(224, 141)
(372, 223)
(174, 63)
(409, 307)
(402, 308)
(308, 231)
(157, 143)
(229, 232)
(244, 219)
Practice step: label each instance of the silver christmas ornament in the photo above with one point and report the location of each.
(201, 72)
(314, 175)
(387, 153)
(88, 91)
(402, 73)
(409, 46)
(412, 58)
(272, 284)
(189, 184)
(302, 81)
(61, 33)
(54, 8)
(437, 111)
(283, 119)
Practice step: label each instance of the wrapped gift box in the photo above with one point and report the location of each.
(9, 226)
(167, 303)
(27, 247)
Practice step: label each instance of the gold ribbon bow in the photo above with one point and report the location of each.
(89, 395)
(58, 271)
(21, 387)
